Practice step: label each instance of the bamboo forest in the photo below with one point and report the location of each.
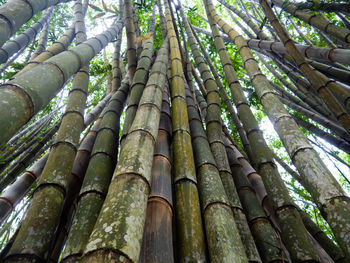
(166, 131)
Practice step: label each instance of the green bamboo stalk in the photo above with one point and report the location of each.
(317, 21)
(27, 93)
(117, 74)
(12, 195)
(265, 236)
(49, 195)
(260, 34)
(190, 234)
(157, 242)
(22, 40)
(285, 211)
(328, 195)
(214, 132)
(224, 242)
(118, 230)
(334, 127)
(140, 80)
(131, 39)
(11, 175)
(15, 13)
(226, 99)
(98, 175)
(42, 41)
(339, 143)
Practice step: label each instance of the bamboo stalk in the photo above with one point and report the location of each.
(27, 93)
(140, 79)
(282, 203)
(157, 242)
(214, 132)
(317, 21)
(328, 195)
(97, 177)
(118, 232)
(15, 13)
(131, 39)
(22, 40)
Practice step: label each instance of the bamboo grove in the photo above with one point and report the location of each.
(150, 142)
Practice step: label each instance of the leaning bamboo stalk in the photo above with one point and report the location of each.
(49, 195)
(26, 160)
(317, 21)
(265, 236)
(326, 54)
(118, 230)
(140, 80)
(20, 188)
(97, 177)
(339, 143)
(282, 203)
(32, 128)
(22, 40)
(224, 242)
(27, 94)
(14, 14)
(302, 93)
(131, 39)
(23, 184)
(328, 195)
(157, 242)
(334, 127)
(339, 74)
(214, 131)
(226, 99)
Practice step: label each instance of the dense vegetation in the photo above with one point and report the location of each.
(190, 132)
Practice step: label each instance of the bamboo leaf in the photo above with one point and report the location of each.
(95, 8)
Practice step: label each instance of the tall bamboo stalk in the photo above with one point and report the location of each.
(157, 242)
(190, 235)
(286, 212)
(15, 13)
(140, 79)
(22, 40)
(224, 242)
(97, 177)
(330, 198)
(131, 39)
(118, 232)
(214, 132)
(27, 93)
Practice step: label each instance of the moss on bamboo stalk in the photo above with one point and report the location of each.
(281, 200)
(157, 242)
(27, 93)
(214, 132)
(118, 231)
(97, 177)
(192, 246)
(139, 80)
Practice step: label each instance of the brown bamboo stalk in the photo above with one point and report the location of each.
(157, 242)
